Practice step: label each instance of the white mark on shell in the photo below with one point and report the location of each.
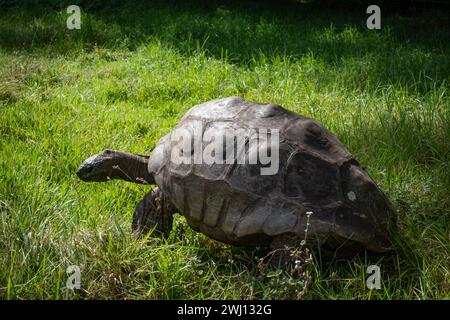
(362, 215)
(351, 196)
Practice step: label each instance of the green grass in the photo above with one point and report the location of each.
(127, 77)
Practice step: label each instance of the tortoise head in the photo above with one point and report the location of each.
(99, 167)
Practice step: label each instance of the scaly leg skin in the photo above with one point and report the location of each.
(153, 212)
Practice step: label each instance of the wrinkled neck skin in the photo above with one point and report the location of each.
(130, 167)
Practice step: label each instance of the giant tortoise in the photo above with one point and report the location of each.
(315, 181)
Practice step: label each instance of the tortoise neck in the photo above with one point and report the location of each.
(131, 167)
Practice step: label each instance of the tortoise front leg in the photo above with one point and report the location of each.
(153, 212)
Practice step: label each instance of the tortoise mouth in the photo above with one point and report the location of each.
(84, 172)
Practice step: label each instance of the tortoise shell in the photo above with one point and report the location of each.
(233, 202)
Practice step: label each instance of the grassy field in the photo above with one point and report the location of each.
(127, 77)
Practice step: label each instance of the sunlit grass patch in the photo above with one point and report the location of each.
(128, 76)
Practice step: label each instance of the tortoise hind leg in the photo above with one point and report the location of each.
(153, 212)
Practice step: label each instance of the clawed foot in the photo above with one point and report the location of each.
(153, 213)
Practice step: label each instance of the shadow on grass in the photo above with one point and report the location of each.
(248, 33)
